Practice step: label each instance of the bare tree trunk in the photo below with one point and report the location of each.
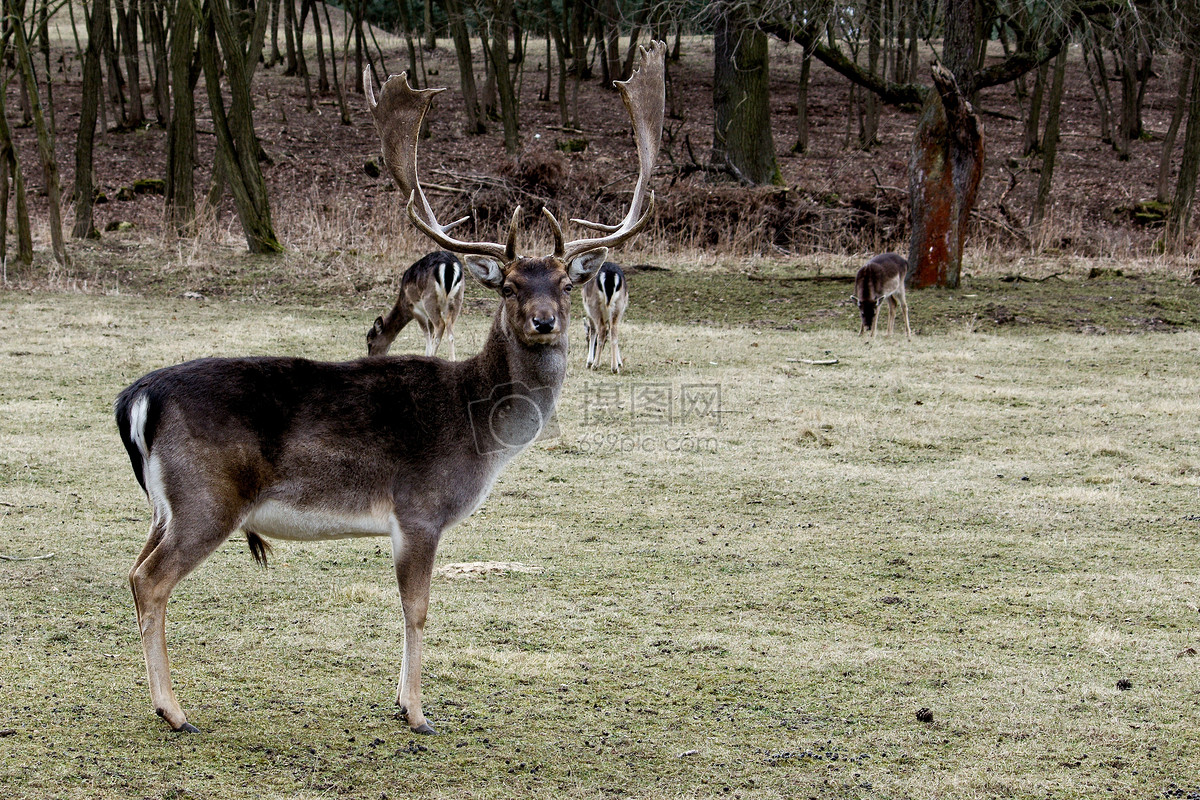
(430, 37)
(322, 73)
(12, 172)
(156, 35)
(1093, 58)
(498, 50)
(127, 26)
(742, 142)
(181, 132)
(944, 173)
(289, 37)
(85, 189)
(1049, 143)
(236, 142)
(801, 145)
(116, 81)
(45, 145)
(1168, 149)
(560, 44)
(466, 70)
(1179, 219)
(337, 84)
(868, 135)
(275, 55)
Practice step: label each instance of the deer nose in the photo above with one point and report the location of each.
(544, 325)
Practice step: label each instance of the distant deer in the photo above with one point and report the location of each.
(881, 278)
(402, 447)
(604, 300)
(431, 292)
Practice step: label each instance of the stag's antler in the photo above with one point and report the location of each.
(645, 98)
(398, 115)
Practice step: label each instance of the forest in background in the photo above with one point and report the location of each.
(176, 122)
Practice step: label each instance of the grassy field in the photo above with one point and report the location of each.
(753, 571)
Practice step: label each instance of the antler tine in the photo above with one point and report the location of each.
(398, 114)
(556, 229)
(645, 99)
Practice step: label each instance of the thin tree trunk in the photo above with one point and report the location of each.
(1093, 59)
(322, 73)
(801, 145)
(275, 56)
(1049, 143)
(868, 135)
(337, 84)
(181, 131)
(560, 44)
(501, 12)
(1033, 121)
(430, 36)
(85, 190)
(1168, 149)
(289, 37)
(12, 170)
(156, 35)
(127, 25)
(1179, 219)
(45, 145)
(466, 70)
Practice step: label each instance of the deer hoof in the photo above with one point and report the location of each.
(425, 729)
(187, 727)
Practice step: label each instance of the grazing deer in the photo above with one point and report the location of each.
(431, 292)
(604, 300)
(882, 277)
(402, 447)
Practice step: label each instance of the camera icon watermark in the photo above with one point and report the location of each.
(512, 417)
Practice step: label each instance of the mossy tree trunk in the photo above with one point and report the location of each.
(237, 145)
(742, 141)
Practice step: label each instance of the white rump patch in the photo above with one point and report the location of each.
(137, 424)
(282, 521)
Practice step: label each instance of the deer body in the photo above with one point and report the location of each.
(882, 278)
(431, 292)
(402, 447)
(605, 298)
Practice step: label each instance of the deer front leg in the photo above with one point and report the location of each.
(590, 331)
(891, 314)
(904, 305)
(413, 552)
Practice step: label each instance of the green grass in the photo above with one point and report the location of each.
(996, 521)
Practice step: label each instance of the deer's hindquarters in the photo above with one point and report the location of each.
(605, 298)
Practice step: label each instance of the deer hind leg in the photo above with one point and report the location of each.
(413, 552)
(450, 336)
(176, 545)
(438, 330)
(904, 306)
(616, 350)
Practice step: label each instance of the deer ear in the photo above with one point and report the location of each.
(486, 270)
(583, 267)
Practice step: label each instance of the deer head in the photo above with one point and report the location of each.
(533, 291)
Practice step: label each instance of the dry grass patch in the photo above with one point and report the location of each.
(997, 528)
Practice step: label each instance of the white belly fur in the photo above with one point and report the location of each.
(281, 521)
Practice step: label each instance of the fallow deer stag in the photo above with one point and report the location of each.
(881, 278)
(403, 447)
(604, 300)
(431, 292)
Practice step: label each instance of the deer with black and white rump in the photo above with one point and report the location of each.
(605, 298)
(402, 447)
(881, 278)
(431, 292)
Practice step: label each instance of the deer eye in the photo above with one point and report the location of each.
(508, 291)
(567, 287)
